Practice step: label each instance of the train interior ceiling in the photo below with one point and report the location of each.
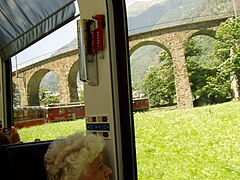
(16, 36)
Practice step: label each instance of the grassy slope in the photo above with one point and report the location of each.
(199, 143)
(51, 130)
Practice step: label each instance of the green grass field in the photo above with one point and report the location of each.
(199, 143)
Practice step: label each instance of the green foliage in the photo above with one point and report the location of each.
(208, 86)
(209, 83)
(81, 96)
(53, 99)
(42, 95)
(228, 34)
(191, 49)
(227, 46)
(159, 82)
(46, 98)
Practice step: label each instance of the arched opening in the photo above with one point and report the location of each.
(34, 86)
(152, 73)
(49, 89)
(209, 84)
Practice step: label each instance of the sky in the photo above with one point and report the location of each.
(48, 45)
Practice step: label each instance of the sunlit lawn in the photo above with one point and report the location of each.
(198, 143)
(51, 130)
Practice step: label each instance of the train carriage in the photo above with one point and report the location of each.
(25, 116)
(65, 111)
(140, 104)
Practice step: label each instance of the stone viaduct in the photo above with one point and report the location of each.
(171, 39)
(29, 78)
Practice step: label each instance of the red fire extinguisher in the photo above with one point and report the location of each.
(98, 34)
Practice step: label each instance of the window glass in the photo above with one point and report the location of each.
(40, 87)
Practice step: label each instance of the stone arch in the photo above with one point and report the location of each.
(33, 87)
(210, 33)
(206, 37)
(162, 48)
(72, 82)
(144, 43)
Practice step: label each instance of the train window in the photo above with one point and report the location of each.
(45, 85)
(41, 113)
(31, 113)
(26, 113)
(69, 110)
(61, 110)
(36, 113)
(17, 115)
(20, 114)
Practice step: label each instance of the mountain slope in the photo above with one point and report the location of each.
(159, 14)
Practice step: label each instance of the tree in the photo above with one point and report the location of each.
(159, 81)
(209, 83)
(53, 99)
(46, 98)
(227, 48)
